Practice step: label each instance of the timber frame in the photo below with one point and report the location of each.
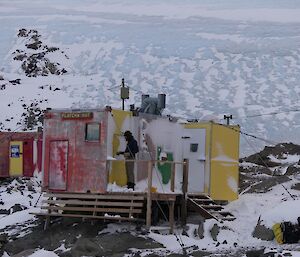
(130, 206)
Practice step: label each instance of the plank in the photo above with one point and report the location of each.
(93, 203)
(87, 216)
(95, 196)
(116, 210)
(211, 206)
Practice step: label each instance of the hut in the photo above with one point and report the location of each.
(80, 147)
(20, 153)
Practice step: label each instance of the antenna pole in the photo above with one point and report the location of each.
(228, 118)
(124, 93)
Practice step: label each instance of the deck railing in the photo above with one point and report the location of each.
(149, 192)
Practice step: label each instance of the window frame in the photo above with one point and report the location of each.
(86, 132)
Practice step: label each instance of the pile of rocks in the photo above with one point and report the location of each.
(259, 173)
(35, 60)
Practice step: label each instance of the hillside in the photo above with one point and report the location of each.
(211, 58)
(266, 197)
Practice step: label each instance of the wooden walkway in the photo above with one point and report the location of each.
(132, 206)
(125, 206)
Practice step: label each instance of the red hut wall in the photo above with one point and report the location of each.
(28, 140)
(72, 163)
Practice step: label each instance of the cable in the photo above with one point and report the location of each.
(250, 135)
(178, 238)
(271, 113)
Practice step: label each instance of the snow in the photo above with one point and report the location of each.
(18, 217)
(43, 253)
(210, 57)
(274, 206)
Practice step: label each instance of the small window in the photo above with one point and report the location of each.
(92, 132)
(194, 148)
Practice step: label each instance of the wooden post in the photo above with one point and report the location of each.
(171, 216)
(47, 220)
(185, 180)
(173, 177)
(149, 200)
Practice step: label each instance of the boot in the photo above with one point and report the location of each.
(130, 185)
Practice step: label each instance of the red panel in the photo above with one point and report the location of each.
(28, 166)
(85, 161)
(4, 155)
(58, 165)
(39, 154)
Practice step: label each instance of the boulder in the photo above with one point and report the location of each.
(215, 230)
(263, 233)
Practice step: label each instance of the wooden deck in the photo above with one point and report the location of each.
(132, 206)
(120, 206)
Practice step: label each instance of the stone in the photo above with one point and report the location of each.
(296, 187)
(255, 253)
(29, 185)
(24, 253)
(4, 211)
(214, 232)
(17, 207)
(263, 233)
(3, 238)
(86, 247)
(201, 228)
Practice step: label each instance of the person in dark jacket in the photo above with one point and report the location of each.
(129, 154)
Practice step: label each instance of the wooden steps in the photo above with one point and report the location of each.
(208, 208)
(122, 207)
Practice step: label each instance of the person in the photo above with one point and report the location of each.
(129, 154)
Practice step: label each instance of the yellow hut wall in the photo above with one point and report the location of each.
(224, 174)
(120, 124)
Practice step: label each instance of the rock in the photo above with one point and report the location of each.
(15, 81)
(51, 67)
(255, 253)
(3, 238)
(201, 228)
(22, 33)
(24, 253)
(262, 232)
(291, 170)
(17, 207)
(296, 187)
(35, 45)
(20, 57)
(4, 211)
(287, 254)
(269, 254)
(29, 185)
(214, 232)
(86, 247)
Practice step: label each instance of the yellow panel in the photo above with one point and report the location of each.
(224, 162)
(118, 171)
(207, 126)
(16, 158)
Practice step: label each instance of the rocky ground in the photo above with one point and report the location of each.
(259, 173)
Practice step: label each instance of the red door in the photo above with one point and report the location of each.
(28, 166)
(58, 165)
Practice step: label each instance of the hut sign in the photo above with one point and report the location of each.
(76, 115)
